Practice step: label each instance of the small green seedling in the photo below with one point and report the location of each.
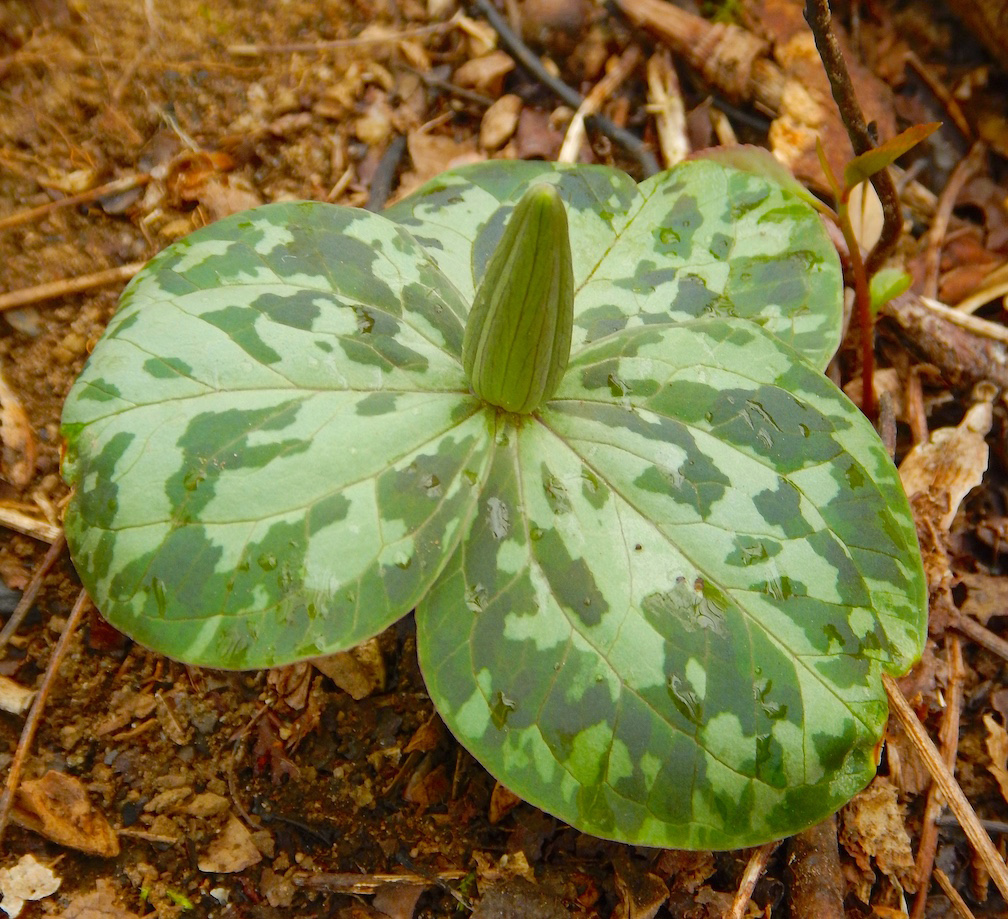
(658, 561)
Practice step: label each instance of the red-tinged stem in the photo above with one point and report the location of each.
(862, 306)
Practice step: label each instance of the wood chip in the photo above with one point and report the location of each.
(14, 697)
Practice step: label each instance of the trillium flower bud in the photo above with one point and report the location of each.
(518, 335)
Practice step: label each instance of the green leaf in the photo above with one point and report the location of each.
(760, 162)
(273, 445)
(680, 599)
(887, 284)
(863, 167)
(701, 240)
(658, 606)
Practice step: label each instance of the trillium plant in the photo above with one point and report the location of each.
(658, 561)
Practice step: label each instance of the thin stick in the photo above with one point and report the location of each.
(818, 16)
(53, 289)
(665, 103)
(35, 715)
(975, 324)
(593, 102)
(109, 188)
(31, 592)
(753, 871)
(981, 635)
(947, 784)
(955, 898)
(944, 96)
(528, 60)
(27, 525)
(949, 735)
(964, 171)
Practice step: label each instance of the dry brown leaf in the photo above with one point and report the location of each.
(221, 196)
(519, 898)
(359, 672)
(233, 850)
(57, 807)
(986, 595)
(432, 154)
(873, 827)
(641, 893)
(397, 901)
(502, 802)
(997, 750)
(292, 683)
(426, 737)
(953, 461)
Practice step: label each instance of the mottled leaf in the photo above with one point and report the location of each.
(273, 445)
(658, 607)
(699, 240)
(680, 595)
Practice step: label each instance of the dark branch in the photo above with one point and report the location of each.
(528, 60)
(818, 16)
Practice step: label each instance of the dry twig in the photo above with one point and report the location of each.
(947, 785)
(753, 871)
(963, 172)
(949, 735)
(530, 63)
(53, 289)
(35, 715)
(815, 884)
(99, 191)
(31, 591)
(362, 41)
(955, 898)
(15, 519)
(593, 102)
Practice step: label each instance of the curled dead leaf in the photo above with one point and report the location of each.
(57, 807)
(953, 461)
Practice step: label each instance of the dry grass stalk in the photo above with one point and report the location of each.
(949, 787)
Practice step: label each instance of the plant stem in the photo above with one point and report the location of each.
(819, 18)
(862, 307)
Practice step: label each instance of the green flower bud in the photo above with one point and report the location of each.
(518, 335)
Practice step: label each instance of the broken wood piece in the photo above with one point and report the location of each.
(593, 102)
(815, 883)
(665, 103)
(966, 349)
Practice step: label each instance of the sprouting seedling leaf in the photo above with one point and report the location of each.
(863, 167)
(886, 285)
(657, 603)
